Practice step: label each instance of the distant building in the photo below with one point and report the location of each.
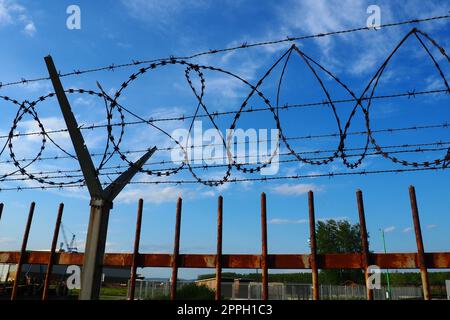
(239, 285)
(59, 272)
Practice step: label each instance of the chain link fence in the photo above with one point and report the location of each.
(151, 289)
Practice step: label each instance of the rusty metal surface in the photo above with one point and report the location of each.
(137, 238)
(264, 260)
(420, 248)
(364, 242)
(434, 260)
(52, 252)
(340, 261)
(176, 251)
(218, 294)
(421, 260)
(313, 247)
(244, 261)
(22, 253)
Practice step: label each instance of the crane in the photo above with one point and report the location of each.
(70, 246)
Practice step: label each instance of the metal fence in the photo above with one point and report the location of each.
(295, 291)
(154, 289)
(313, 261)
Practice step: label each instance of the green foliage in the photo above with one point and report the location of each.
(114, 292)
(191, 292)
(194, 292)
(224, 275)
(397, 278)
(341, 237)
(413, 278)
(303, 277)
(338, 237)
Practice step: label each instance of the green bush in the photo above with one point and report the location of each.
(191, 292)
(194, 292)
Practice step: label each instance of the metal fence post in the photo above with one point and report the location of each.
(364, 242)
(101, 199)
(313, 246)
(176, 251)
(137, 238)
(23, 252)
(264, 262)
(420, 248)
(51, 258)
(219, 250)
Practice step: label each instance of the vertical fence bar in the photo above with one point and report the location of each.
(176, 252)
(137, 238)
(419, 241)
(22, 252)
(1, 211)
(219, 250)
(313, 246)
(364, 242)
(51, 259)
(264, 262)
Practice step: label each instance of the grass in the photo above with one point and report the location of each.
(107, 293)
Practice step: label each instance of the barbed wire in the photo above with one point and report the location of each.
(235, 180)
(62, 174)
(409, 94)
(444, 125)
(363, 102)
(244, 45)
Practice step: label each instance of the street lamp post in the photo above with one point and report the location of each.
(387, 270)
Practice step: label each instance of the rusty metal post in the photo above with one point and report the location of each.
(420, 248)
(22, 252)
(137, 238)
(364, 242)
(51, 259)
(313, 246)
(219, 250)
(264, 261)
(1, 211)
(176, 251)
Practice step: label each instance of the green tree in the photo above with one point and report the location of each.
(191, 291)
(338, 236)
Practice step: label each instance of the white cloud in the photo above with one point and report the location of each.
(28, 145)
(50, 124)
(431, 226)
(333, 218)
(319, 16)
(408, 229)
(244, 63)
(110, 245)
(82, 101)
(295, 189)
(30, 28)
(157, 194)
(161, 13)
(12, 13)
(287, 221)
(5, 240)
(41, 87)
(389, 229)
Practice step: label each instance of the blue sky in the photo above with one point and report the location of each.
(119, 31)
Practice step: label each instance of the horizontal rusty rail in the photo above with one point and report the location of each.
(313, 261)
(433, 260)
